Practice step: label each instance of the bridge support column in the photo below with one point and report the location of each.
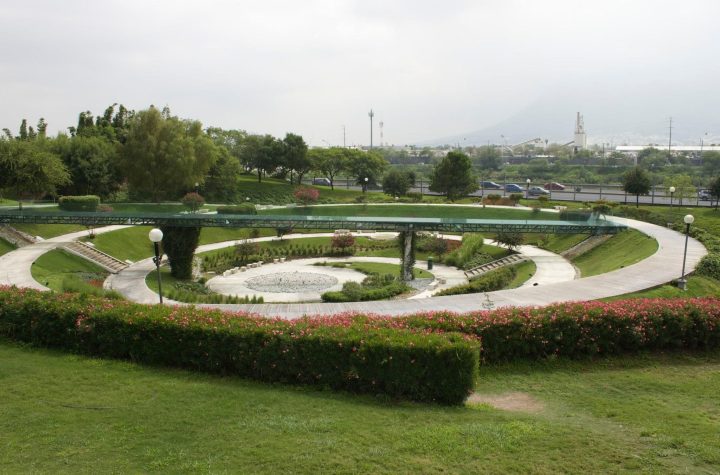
(407, 241)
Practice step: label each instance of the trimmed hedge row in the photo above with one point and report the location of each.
(400, 363)
(79, 203)
(237, 209)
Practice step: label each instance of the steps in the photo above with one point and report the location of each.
(584, 246)
(88, 252)
(15, 237)
(505, 261)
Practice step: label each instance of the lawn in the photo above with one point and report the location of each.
(383, 268)
(5, 247)
(65, 413)
(556, 243)
(415, 211)
(623, 249)
(697, 286)
(525, 270)
(47, 231)
(54, 266)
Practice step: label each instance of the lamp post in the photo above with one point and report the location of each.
(527, 189)
(672, 192)
(156, 236)
(197, 187)
(688, 219)
(365, 184)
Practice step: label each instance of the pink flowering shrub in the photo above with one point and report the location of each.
(305, 195)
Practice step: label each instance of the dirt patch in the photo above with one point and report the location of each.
(520, 402)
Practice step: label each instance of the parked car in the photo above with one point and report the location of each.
(704, 195)
(321, 181)
(513, 188)
(490, 185)
(554, 186)
(537, 191)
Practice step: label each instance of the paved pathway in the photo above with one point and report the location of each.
(15, 266)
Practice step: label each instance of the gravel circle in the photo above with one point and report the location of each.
(286, 282)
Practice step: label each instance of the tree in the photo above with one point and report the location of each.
(397, 182)
(295, 156)
(30, 168)
(330, 162)
(365, 167)
(179, 243)
(489, 158)
(510, 240)
(221, 183)
(711, 163)
(636, 182)
(684, 187)
(262, 153)
(651, 158)
(715, 190)
(91, 162)
(165, 156)
(453, 176)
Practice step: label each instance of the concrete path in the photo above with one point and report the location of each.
(15, 266)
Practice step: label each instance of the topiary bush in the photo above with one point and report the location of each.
(79, 203)
(193, 201)
(709, 266)
(179, 243)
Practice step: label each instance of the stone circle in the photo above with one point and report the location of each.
(283, 282)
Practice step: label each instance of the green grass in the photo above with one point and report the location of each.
(525, 270)
(706, 218)
(414, 211)
(64, 413)
(47, 231)
(697, 286)
(623, 249)
(556, 243)
(383, 268)
(54, 266)
(168, 280)
(6, 247)
(126, 244)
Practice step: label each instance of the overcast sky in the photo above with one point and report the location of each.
(429, 69)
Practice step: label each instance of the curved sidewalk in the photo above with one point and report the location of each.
(16, 266)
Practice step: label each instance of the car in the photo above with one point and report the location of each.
(321, 181)
(491, 185)
(704, 195)
(554, 186)
(513, 188)
(537, 191)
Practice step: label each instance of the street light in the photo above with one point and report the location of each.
(527, 189)
(688, 219)
(156, 236)
(197, 187)
(672, 192)
(365, 185)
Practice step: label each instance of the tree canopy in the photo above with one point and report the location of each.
(453, 176)
(636, 182)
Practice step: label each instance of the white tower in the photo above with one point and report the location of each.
(580, 136)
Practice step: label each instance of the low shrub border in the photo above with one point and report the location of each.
(398, 362)
(79, 203)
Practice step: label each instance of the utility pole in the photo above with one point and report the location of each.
(344, 146)
(670, 140)
(371, 114)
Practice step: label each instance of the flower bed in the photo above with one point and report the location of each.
(398, 362)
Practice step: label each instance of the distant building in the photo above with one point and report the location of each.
(580, 142)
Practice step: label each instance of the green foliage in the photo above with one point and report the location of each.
(514, 197)
(92, 162)
(362, 165)
(179, 243)
(472, 245)
(295, 155)
(263, 153)
(398, 182)
(636, 182)
(193, 201)
(221, 183)
(494, 280)
(30, 169)
(453, 176)
(165, 156)
(79, 203)
(422, 367)
(374, 287)
(709, 265)
(343, 240)
(330, 162)
(244, 208)
(510, 240)
(684, 188)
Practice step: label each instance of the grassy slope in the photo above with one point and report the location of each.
(69, 414)
(525, 270)
(5, 247)
(623, 249)
(48, 231)
(698, 286)
(52, 267)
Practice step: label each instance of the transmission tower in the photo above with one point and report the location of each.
(371, 114)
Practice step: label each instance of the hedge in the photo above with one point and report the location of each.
(396, 362)
(237, 209)
(79, 203)
(491, 281)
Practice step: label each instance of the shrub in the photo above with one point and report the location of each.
(342, 240)
(472, 244)
(433, 244)
(104, 208)
(237, 209)
(193, 201)
(516, 197)
(709, 266)
(494, 280)
(414, 196)
(305, 195)
(396, 362)
(79, 203)
(179, 243)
